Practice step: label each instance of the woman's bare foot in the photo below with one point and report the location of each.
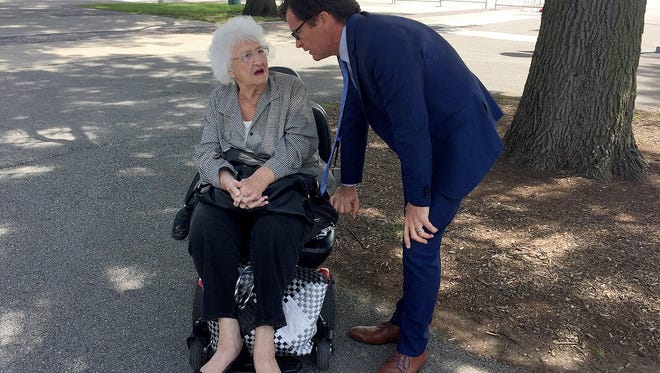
(230, 344)
(264, 351)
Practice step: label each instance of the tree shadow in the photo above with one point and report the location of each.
(546, 272)
(521, 54)
(94, 160)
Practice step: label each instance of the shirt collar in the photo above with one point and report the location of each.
(343, 47)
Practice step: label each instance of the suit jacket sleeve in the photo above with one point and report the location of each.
(395, 65)
(353, 134)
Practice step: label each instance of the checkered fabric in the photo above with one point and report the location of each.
(302, 303)
(213, 331)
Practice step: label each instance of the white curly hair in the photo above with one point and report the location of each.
(237, 29)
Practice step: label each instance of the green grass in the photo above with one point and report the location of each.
(599, 352)
(207, 12)
(393, 230)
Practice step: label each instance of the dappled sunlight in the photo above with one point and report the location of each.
(124, 103)
(23, 172)
(12, 324)
(174, 72)
(538, 270)
(7, 27)
(614, 212)
(4, 229)
(139, 45)
(169, 211)
(114, 103)
(172, 126)
(378, 146)
(605, 290)
(560, 241)
(530, 190)
(372, 212)
(526, 242)
(467, 369)
(623, 217)
(190, 105)
(57, 133)
(145, 155)
(91, 133)
(557, 188)
(85, 91)
(179, 114)
(29, 84)
(77, 365)
(117, 65)
(137, 171)
(23, 140)
(127, 278)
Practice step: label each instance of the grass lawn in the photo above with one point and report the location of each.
(208, 12)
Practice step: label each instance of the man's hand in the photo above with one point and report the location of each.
(345, 200)
(416, 225)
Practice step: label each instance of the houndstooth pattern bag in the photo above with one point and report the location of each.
(302, 303)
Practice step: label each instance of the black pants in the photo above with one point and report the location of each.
(216, 239)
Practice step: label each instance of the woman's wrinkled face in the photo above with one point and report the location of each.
(249, 64)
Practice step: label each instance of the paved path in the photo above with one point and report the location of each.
(98, 115)
(497, 46)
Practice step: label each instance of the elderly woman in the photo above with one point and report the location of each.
(258, 129)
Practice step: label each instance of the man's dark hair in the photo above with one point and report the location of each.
(308, 9)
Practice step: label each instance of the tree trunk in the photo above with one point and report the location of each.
(264, 8)
(576, 111)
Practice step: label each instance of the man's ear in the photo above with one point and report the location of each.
(325, 18)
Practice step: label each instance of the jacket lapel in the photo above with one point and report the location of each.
(229, 107)
(270, 93)
(351, 26)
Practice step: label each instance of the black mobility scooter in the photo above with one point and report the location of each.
(201, 342)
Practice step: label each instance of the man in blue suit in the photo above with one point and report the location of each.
(414, 90)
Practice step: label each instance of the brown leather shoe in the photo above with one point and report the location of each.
(375, 335)
(400, 363)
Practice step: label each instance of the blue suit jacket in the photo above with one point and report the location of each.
(422, 100)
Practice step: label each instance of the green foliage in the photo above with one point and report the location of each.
(599, 352)
(393, 230)
(207, 12)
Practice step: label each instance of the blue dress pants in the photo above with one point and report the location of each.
(421, 281)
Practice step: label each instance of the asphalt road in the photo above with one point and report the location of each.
(98, 116)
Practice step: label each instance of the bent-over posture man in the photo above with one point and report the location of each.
(414, 90)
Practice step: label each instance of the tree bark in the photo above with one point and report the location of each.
(264, 8)
(576, 111)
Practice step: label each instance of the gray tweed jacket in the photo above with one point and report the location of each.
(282, 137)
